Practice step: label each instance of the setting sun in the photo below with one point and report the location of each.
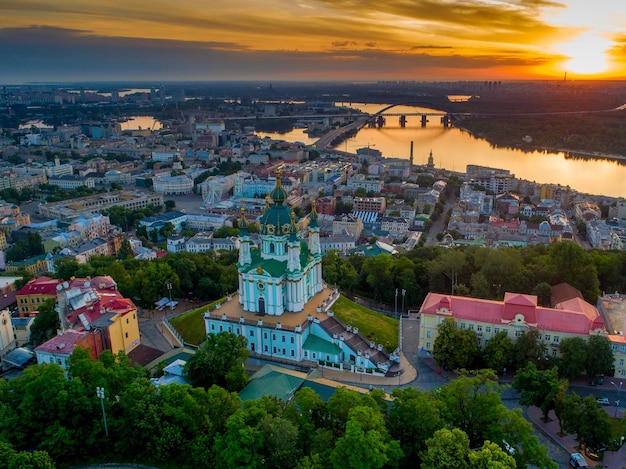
(588, 54)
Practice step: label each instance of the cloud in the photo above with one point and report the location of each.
(430, 46)
(43, 54)
(344, 44)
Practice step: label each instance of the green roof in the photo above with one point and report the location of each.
(275, 381)
(284, 383)
(29, 261)
(317, 344)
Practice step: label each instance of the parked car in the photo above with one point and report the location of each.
(603, 401)
(594, 453)
(577, 460)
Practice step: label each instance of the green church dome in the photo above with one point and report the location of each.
(276, 220)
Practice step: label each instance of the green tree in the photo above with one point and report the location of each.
(225, 232)
(573, 352)
(491, 456)
(125, 251)
(414, 417)
(447, 449)
(45, 325)
(449, 264)
(472, 403)
(166, 230)
(365, 444)
(600, 359)
(498, 352)
(66, 267)
(454, 348)
(586, 419)
(574, 265)
(378, 274)
(527, 349)
(219, 361)
(151, 280)
(169, 205)
(537, 387)
(559, 402)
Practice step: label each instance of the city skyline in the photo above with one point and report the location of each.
(78, 40)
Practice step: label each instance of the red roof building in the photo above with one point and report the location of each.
(515, 314)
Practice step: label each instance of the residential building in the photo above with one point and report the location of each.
(36, 265)
(21, 327)
(176, 218)
(7, 334)
(516, 314)
(347, 225)
(173, 185)
(69, 209)
(496, 180)
(359, 181)
(36, 292)
(72, 181)
(341, 243)
(370, 204)
(326, 205)
(394, 224)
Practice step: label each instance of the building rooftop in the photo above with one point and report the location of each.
(233, 311)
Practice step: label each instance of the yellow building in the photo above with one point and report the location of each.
(32, 295)
(34, 265)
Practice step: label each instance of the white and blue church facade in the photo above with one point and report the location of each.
(282, 305)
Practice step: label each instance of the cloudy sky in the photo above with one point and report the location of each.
(84, 40)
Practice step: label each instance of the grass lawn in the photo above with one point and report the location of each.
(375, 326)
(191, 324)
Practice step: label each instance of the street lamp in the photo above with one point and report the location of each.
(169, 289)
(403, 293)
(619, 390)
(100, 394)
(396, 307)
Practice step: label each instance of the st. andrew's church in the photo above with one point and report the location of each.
(282, 306)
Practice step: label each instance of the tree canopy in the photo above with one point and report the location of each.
(220, 362)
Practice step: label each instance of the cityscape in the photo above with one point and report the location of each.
(313, 235)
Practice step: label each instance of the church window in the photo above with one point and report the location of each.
(274, 348)
(212, 327)
(284, 351)
(265, 348)
(273, 336)
(251, 333)
(272, 248)
(314, 355)
(293, 354)
(221, 328)
(293, 341)
(283, 338)
(306, 354)
(265, 335)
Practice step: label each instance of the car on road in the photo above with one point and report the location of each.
(603, 401)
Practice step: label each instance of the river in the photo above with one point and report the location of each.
(454, 149)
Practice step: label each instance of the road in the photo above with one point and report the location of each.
(439, 224)
(329, 137)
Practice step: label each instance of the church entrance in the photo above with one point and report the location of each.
(261, 309)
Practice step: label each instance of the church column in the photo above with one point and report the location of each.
(241, 291)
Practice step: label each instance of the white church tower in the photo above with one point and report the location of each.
(285, 272)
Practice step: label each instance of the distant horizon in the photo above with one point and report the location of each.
(314, 40)
(154, 83)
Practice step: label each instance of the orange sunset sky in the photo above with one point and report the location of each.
(65, 40)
